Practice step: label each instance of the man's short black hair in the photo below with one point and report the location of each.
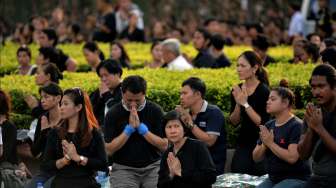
(51, 34)
(329, 56)
(325, 70)
(112, 66)
(196, 84)
(261, 42)
(134, 84)
(217, 41)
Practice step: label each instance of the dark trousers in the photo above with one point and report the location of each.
(321, 182)
(242, 162)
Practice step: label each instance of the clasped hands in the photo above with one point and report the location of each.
(135, 124)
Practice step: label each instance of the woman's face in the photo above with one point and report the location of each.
(275, 104)
(40, 77)
(68, 108)
(23, 58)
(244, 69)
(174, 131)
(115, 52)
(198, 40)
(48, 101)
(300, 55)
(157, 52)
(40, 60)
(90, 56)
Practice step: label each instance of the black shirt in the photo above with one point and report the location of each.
(285, 135)
(249, 132)
(8, 131)
(268, 60)
(197, 167)
(40, 138)
(203, 59)
(95, 152)
(103, 103)
(221, 62)
(109, 21)
(136, 152)
(211, 120)
(137, 35)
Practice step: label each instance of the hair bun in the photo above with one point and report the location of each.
(284, 83)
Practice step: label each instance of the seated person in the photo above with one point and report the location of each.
(201, 41)
(50, 98)
(278, 143)
(109, 91)
(260, 46)
(176, 168)
(305, 52)
(119, 54)
(132, 32)
(172, 57)
(75, 149)
(216, 50)
(93, 54)
(156, 52)
(23, 55)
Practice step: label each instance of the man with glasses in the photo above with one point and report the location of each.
(133, 134)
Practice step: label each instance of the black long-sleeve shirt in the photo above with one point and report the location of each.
(197, 167)
(107, 99)
(40, 138)
(136, 152)
(95, 152)
(8, 131)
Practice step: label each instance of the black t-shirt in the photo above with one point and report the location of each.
(109, 21)
(136, 152)
(95, 152)
(40, 138)
(102, 103)
(8, 131)
(198, 172)
(249, 132)
(268, 60)
(211, 120)
(221, 62)
(203, 60)
(285, 135)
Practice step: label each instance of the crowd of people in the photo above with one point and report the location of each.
(118, 130)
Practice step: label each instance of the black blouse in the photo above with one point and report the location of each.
(198, 169)
(8, 131)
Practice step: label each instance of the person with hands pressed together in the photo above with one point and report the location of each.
(176, 168)
(75, 149)
(278, 143)
(133, 134)
(248, 108)
(319, 138)
(205, 121)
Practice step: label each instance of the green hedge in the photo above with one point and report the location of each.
(138, 52)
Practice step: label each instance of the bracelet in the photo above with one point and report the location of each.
(190, 125)
(142, 129)
(129, 130)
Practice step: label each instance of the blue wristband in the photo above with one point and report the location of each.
(142, 129)
(129, 130)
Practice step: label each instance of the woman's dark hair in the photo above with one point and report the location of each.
(172, 115)
(53, 71)
(217, 41)
(124, 59)
(49, 53)
(86, 118)
(51, 89)
(75, 28)
(23, 48)
(253, 59)
(329, 42)
(286, 94)
(329, 56)
(196, 84)
(312, 50)
(51, 34)
(206, 35)
(135, 84)
(327, 71)
(112, 66)
(156, 42)
(5, 103)
(93, 47)
(261, 42)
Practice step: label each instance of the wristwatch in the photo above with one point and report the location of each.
(246, 105)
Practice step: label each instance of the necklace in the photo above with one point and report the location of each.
(280, 124)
